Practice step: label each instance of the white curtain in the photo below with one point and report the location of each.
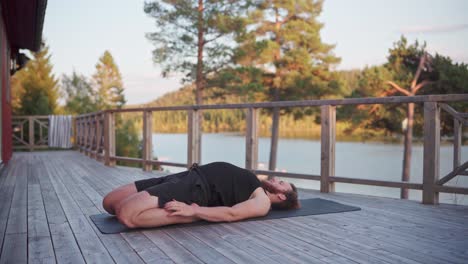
(60, 131)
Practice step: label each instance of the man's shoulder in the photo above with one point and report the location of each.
(260, 195)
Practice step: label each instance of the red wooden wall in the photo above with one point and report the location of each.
(6, 94)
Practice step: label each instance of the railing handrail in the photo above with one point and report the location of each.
(302, 103)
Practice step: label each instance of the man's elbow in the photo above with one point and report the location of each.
(231, 216)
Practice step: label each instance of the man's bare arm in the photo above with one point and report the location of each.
(258, 205)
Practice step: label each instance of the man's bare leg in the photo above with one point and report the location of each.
(115, 197)
(142, 210)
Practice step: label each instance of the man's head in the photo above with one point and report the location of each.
(282, 194)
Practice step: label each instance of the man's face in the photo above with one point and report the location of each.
(274, 185)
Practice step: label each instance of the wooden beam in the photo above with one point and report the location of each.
(392, 184)
(31, 133)
(86, 136)
(147, 140)
(327, 155)
(456, 115)
(99, 135)
(457, 142)
(109, 139)
(126, 159)
(172, 164)
(453, 174)
(451, 189)
(304, 103)
(288, 175)
(431, 152)
(193, 146)
(92, 148)
(251, 140)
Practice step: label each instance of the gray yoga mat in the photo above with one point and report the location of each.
(108, 224)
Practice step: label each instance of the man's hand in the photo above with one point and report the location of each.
(180, 209)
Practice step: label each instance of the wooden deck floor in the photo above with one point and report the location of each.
(46, 198)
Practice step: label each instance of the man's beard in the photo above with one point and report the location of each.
(267, 186)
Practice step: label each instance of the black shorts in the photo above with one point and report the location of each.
(188, 187)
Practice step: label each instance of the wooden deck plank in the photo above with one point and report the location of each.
(90, 245)
(171, 248)
(261, 244)
(87, 198)
(306, 241)
(201, 250)
(65, 246)
(15, 248)
(144, 247)
(396, 247)
(344, 238)
(217, 243)
(40, 249)
(7, 186)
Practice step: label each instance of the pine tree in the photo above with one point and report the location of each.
(284, 54)
(79, 97)
(285, 44)
(37, 86)
(108, 83)
(194, 36)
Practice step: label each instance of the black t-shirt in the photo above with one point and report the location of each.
(228, 184)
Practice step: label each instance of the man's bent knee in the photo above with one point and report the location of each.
(112, 199)
(107, 204)
(126, 220)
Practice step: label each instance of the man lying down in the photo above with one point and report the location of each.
(216, 192)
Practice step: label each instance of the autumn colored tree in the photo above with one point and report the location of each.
(35, 86)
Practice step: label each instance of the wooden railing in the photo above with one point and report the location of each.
(96, 138)
(30, 132)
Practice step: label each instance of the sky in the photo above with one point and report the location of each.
(79, 31)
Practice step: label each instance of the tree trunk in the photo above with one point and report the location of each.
(274, 134)
(407, 150)
(199, 77)
(276, 97)
(199, 82)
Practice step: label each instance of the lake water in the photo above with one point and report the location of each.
(378, 161)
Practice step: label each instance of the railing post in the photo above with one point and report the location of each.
(327, 155)
(251, 140)
(109, 139)
(147, 140)
(31, 133)
(457, 140)
(87, 135)
(92, 153)
(193, 146)
(431, 152)
(75, 131)
(79, 133)
(99, 135)
(83, 134)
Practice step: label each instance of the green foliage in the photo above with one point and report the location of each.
(79, 96)
(108, 83)
(282, 57)
(35, 86)
(452, 78)
(401, 66)
(184, 29)
(128, 143)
